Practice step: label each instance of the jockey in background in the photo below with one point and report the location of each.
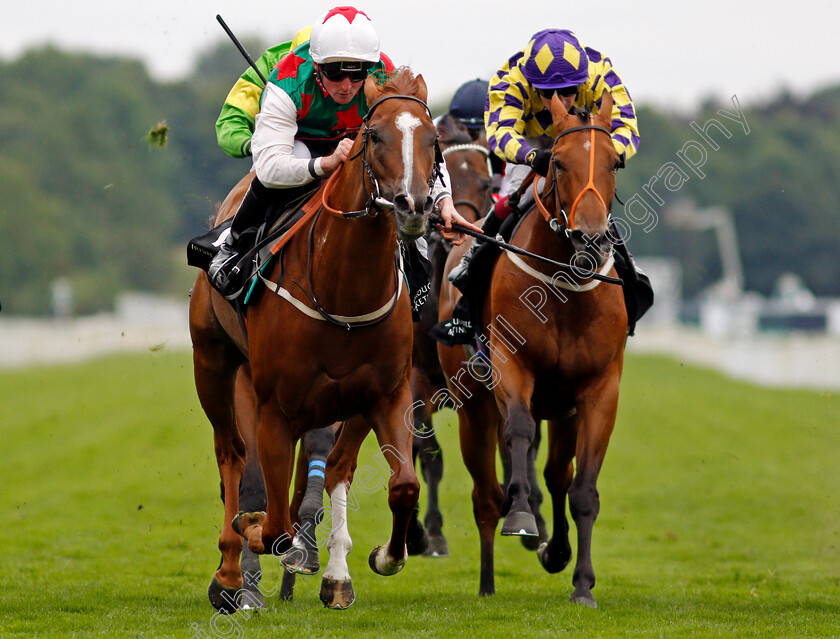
(308, 114)
(520, 129)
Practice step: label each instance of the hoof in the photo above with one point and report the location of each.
(589, 602)
(520, 523)
(242, 521)
(301, 560)
(222, 598)
(545, 559)
(437, 547)
(390, 567)
(336, 594)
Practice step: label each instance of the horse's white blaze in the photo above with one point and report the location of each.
(339, 543)
(587, 144)
(465, 166)
(406, 123)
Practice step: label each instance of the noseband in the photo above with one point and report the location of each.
(568, 220)
(375, 199)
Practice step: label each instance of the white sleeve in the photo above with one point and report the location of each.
(274, 138)
(438, 189)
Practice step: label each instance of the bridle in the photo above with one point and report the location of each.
(374, 200)
(567, 225)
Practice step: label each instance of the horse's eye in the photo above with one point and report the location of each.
(374, 137)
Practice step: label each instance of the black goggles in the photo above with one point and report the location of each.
(565, 92)
(337, 71)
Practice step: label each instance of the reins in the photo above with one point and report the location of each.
(576, 270)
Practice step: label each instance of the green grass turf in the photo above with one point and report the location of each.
(720, 517)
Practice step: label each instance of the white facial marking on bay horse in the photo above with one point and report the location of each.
(406, 123)
(464, 166)
(587, 144)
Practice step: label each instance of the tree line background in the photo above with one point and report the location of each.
(87, 196)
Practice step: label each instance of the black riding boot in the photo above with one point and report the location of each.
(638, 293)
(459, 276)
(251, 214)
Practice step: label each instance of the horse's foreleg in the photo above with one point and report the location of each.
(535, 499)
(597, 404)
(252, 487)
(395, 436)
(273, 533)
(554, 555)
(308, 508)
(214, 381)
(336, 585)
(431, 465)
(519, 432)
(478, 424)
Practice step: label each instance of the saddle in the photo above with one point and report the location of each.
(258, 248)
(255, 244)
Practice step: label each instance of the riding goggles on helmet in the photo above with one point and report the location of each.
(353, 69)
(564, 92)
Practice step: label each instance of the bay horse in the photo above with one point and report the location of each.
(471, 183)
(556, 345)
(334, 347)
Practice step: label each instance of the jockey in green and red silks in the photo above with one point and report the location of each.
(308, 112)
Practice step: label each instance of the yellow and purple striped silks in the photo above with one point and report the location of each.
(514, 111)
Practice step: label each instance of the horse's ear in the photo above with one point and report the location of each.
(558, 112)
(372, 90)
(605, 110)
(422, 91)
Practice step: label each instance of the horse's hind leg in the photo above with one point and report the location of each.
(597, 404)
(555, 554)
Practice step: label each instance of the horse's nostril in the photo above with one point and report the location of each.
(428, 205)
(402, 204)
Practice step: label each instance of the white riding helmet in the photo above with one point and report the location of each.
(344, 33)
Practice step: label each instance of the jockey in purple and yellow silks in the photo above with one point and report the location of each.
(518, 121)
(309, 106)
(520, 130)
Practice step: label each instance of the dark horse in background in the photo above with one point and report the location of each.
(471, 177)
(556, 344)
(336, 348)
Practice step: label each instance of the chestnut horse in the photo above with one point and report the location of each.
(471, 183)
(312, 367)
(556, 344)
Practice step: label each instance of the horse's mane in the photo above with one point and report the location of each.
(401, 81)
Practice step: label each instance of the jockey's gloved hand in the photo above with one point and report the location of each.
(539, 159)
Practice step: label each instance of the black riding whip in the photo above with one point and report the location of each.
(241, 48)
